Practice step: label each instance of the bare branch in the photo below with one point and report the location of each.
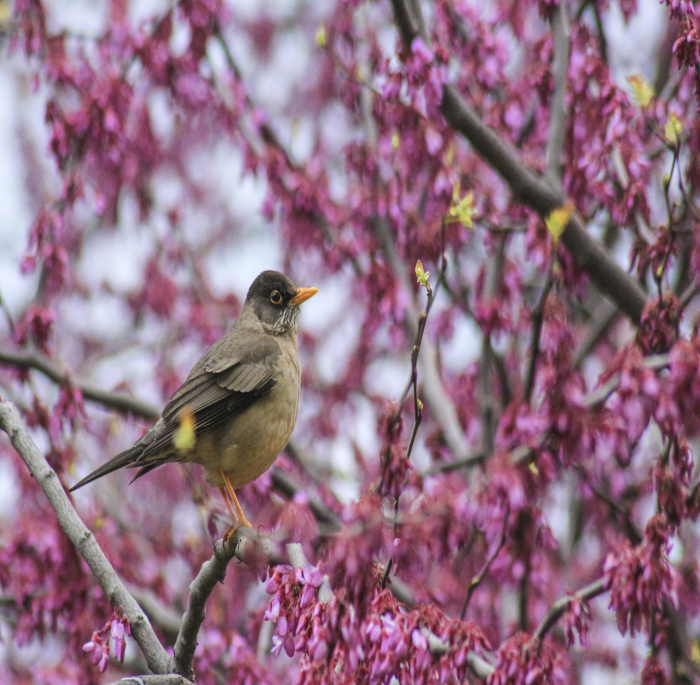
(560, 67)
(454, 465)
(171, 679)
(156, 657)
(246, 546)
(113, 400)
(596, 588)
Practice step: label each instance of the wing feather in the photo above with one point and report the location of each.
(233, 374)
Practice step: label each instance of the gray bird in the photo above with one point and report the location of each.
(236, 410)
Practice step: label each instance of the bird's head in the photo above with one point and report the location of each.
(275, 301)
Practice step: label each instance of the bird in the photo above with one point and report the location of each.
(237, 408)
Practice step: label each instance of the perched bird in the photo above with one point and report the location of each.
(236, 410)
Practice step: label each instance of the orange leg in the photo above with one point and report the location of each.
(241, 519)
(234, 520)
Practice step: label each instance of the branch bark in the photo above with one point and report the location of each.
(170, 679)
(557, 610)
(156, 657)
(113, 400)
(245, 546)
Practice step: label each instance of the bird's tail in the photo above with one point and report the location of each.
(126, 458)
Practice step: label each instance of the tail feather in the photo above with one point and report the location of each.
(126, 458)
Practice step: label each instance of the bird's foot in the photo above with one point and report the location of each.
(231, 532)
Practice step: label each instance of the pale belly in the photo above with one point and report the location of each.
(245, 447)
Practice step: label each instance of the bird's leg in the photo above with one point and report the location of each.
(234, 520)
(241, 520)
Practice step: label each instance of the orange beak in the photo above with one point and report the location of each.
(302, 295)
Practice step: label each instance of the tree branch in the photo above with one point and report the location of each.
(474, 460)
(536, 192)
(248, 547)
(170, 679)
(113, 400)
(479, 666)
(596, 588)
(156, 657)
(560, 67)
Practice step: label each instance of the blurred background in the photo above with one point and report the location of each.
(155, 274)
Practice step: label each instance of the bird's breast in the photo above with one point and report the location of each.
(247, 445)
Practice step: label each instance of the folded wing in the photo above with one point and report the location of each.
(227, 380)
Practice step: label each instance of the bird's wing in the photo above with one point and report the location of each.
(228, 379)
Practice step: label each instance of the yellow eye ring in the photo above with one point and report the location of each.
(275, 297)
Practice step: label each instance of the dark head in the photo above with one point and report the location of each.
(275, 301)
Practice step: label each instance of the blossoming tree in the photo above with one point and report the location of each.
(492, 477)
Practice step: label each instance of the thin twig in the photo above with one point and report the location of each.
(537, 321)
(476, 580)
(632, 533)
(601, 33)
(523, 597)
(454, 465)
(413, 381)
(441, 405)
(156, 657)
(8, 315)
(688, 294)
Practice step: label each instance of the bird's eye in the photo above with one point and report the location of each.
(275, 297)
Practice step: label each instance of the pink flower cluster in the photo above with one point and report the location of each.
(340, 643)
(576, 620)
(522, 661)
(118, 628)
(641, 578)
